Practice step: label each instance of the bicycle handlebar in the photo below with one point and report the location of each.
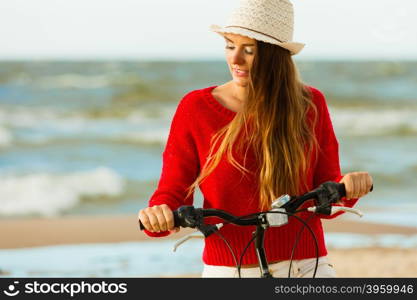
(326, 194)
(285, 206)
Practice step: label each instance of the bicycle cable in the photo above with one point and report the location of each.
(228, 245)
(243, 253)
(305, 225)
(295, 245)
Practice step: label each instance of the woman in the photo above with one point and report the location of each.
(250, 140)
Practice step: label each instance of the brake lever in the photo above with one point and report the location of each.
(196, 234)
(336, 209)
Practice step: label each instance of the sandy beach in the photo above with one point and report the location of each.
(351, 262)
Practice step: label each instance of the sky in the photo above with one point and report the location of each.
(178, 29)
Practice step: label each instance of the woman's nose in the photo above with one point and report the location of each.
(237, 58)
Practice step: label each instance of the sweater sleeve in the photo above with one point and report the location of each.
(327, 167)
(180, 164)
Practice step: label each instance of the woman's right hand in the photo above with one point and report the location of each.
(158, 218)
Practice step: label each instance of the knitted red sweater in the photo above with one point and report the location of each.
(199, 115)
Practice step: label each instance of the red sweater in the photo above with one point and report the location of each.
(199, 115)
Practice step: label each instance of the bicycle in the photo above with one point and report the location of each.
(285, 206)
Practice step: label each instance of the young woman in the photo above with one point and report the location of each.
(250, 140)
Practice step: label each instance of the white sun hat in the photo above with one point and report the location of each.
(270, 21)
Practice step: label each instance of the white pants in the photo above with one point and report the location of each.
(300, 268)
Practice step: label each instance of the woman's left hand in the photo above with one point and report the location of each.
(357, 184)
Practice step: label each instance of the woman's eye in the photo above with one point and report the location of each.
(248, 51)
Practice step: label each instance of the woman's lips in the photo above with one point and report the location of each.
(240, 73)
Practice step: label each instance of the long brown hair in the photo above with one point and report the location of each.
(275, 122)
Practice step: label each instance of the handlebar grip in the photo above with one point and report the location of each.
(342, 189)
(176, 221)
(141, 227)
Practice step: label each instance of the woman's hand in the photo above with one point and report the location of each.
(357, 184)
(158, 218)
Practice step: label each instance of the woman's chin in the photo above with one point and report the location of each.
(240, 82)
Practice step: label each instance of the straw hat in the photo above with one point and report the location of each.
(270, 21)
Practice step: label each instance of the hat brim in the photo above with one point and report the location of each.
(293, 47)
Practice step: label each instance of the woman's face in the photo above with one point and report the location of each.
(240, 52)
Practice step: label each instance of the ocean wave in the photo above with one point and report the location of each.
(156, 136)
(73, 81)
(149, 125)
(149, 259)
(161, 112)
(50, 194)
(21, 116)
(361, 121)
(45, 125)
(393, 216)
(6, 137)
(79, 81)
(132, 259)
(355, 240)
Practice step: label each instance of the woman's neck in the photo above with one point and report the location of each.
(239, 93)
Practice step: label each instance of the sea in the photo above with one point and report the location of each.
(86, 138)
